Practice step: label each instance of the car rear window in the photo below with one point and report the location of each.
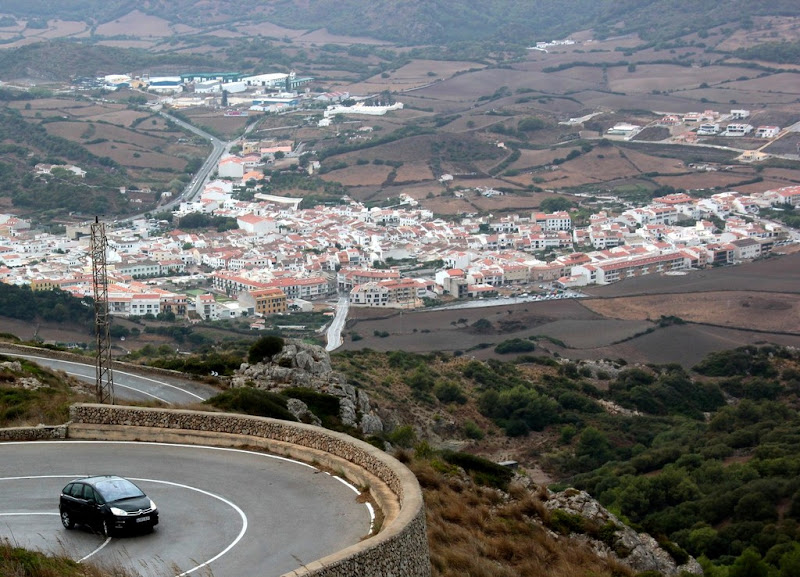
(115, 489)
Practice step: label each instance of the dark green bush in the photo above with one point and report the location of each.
(514, 346)
(252, 401)
(265, 348)
(449, 392)
(483, 471)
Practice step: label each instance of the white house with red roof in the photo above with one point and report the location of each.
(258, 225)
(785, 195)
(231, 167)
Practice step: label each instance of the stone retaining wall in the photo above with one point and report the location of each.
(400, 549)
(39, 433)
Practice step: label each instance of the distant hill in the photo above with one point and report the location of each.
(435, 21)
(444, 21)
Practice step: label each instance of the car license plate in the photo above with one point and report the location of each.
(143, 519)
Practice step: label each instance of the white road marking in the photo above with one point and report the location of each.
(233, 543)
(183, 445)
(25, 514)
(371, 517)
(124, 387)
(162, 383)
(238, 538)
(106, 542)
(345, 482)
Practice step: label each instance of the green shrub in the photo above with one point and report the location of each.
(514, 346)
(473, 431)
(483, 471)
(323, 405)
(566, 523)
(449, 392)
(252, 401)
(404, 436)
(265, 348)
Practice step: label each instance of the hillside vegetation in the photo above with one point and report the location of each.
(436, 21)
(462, 20)
(19, 562)
(706, 459)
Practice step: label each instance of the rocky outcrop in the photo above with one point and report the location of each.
(309, 366)
(639, 551)
(300, 411)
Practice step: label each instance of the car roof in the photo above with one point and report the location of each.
(97, 478)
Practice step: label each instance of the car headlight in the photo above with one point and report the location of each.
(118, 512)
(153, 505)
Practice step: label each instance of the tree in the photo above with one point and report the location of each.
(749, 564)
(265, 348)
(790, 564)
(555, 204)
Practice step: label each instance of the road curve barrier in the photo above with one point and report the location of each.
(399, 548)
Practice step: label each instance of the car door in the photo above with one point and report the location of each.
(75, 502)
(92, 504)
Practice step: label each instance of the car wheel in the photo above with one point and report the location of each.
(105, 530)
(66, 520)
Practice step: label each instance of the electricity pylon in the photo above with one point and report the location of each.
(104, 374)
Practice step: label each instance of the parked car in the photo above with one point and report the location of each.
(107, 504)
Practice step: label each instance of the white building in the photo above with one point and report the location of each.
(627, 131)
(738, 130)
(361, 108)
(707, 129)
(231, 167)
(768, 131)
(165, 84)
(209, 87)
(273, 80)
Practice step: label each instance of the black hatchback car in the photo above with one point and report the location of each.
(107, 504)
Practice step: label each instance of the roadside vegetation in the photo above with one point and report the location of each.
(30, 394)
(480, 526)
(706, 458)
(18, 562)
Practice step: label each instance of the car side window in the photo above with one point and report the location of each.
(88, 493)
(68, 489)
(77, 491)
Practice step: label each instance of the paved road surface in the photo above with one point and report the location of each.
(337, 324)
(225, 513)
(131, 386)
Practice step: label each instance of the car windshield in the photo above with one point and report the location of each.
(116, 489)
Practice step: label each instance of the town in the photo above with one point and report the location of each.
(281, 258)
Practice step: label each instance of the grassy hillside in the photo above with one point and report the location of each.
(63, 60)
(438, 21)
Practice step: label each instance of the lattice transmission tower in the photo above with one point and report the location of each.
(104, 374)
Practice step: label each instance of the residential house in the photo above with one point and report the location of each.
(263, 302)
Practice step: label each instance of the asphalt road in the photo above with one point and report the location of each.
(131, 386)
(199, 180)
(223, 512)
(337, 324)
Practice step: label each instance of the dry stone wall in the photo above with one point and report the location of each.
(39, 433)
(400, 549)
